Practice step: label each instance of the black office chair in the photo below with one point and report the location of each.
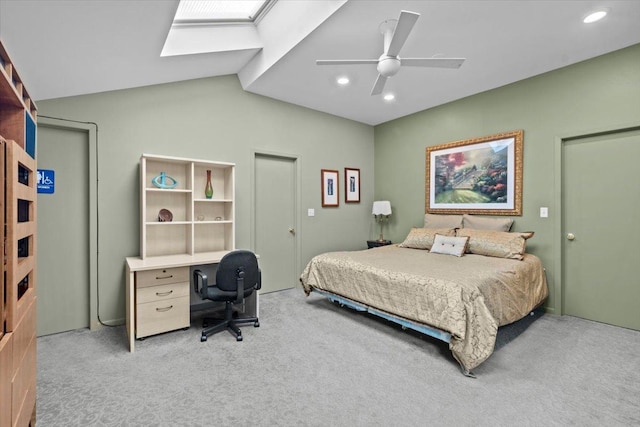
(238, 276)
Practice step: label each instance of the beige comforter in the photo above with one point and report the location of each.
(469, 297)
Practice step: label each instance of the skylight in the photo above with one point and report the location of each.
(212, 11)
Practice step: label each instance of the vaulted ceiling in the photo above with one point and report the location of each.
(64, 48)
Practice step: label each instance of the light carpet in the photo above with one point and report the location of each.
(313, 363)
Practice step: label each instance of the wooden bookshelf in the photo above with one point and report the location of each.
(18, 114)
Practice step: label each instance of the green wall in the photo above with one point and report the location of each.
(214, 119)
(599, 94)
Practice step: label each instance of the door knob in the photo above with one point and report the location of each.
(571, 236)
(292, 231)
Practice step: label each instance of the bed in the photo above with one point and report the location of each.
(459, 299)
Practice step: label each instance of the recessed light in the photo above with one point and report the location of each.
(595, 16)
(389, 97)
(342, 81)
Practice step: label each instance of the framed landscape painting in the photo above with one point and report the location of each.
(476, 176)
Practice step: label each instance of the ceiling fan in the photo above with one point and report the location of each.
(395, 32)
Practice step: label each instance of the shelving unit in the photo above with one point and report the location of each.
(200, 232)
(199, 225)
(18, 170)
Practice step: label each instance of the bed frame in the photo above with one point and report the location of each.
(404, 323)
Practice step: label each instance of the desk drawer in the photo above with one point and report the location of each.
(162, 316)
(162, 276)
(161, 292)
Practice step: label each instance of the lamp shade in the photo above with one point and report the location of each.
(381, 208)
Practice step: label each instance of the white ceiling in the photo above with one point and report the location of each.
(67, 47)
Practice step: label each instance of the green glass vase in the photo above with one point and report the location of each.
(208, 189)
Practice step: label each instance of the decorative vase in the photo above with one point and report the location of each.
(208, 189)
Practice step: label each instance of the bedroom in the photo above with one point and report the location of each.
(207, 118)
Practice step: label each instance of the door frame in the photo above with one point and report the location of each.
(91, 130)
(560, 140)
(296, 203)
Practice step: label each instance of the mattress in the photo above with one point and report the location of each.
(469, 297)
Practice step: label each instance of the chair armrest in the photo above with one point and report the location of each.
(240, 284)
(199, 278)
(259, 284)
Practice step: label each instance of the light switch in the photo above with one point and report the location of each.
(311, 212)
(544, 212)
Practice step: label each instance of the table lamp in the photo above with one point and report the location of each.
(381, 211)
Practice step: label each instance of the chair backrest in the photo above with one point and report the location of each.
(229, 266)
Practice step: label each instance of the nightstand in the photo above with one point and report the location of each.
(377, 243)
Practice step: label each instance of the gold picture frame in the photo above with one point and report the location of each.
(476, 176)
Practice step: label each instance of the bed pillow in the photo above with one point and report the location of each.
(485, 223)
(449, 245)
(498, 244)
(442, 221)
(422, 238)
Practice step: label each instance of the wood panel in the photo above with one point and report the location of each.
(3, 312)
(18, 268)
(23, 384)
(6, 371)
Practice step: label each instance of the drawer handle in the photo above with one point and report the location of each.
(164, 294)
(162, 309)
(166, 277)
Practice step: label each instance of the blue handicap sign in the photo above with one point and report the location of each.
(46, 181)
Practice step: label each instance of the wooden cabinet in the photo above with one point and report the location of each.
(162, 300)
(197, 224)
(18, 271)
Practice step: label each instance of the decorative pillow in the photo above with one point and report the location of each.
(422, 238)
(449, 245)
(485, 223)
(498, 244)
(442, 221)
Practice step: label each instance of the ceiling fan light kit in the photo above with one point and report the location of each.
(395, 33)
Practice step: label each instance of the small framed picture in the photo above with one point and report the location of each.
(330, 190)
(351, 185)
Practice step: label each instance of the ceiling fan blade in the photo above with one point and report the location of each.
(405, 24)
(433, 62)
(379, 85)
(345, 61)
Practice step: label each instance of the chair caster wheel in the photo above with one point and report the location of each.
(203, 338)
(256, 324)
(239, 338)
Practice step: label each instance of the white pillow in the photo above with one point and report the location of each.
(449, 245)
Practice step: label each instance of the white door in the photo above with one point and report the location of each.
(275, 226)
(601, 227)
(63, 231)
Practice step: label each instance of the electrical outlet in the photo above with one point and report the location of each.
(311, 212)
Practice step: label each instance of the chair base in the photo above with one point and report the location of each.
(229, 322)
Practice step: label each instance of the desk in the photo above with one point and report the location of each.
(165, 280)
